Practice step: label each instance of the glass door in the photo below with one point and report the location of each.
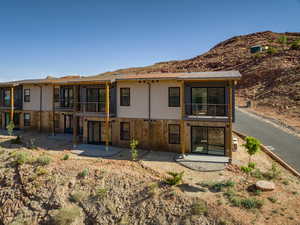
(94, 132)
(199, 140)
(199, 101)
(68, 124)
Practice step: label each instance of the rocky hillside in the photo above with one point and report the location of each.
(272, 76)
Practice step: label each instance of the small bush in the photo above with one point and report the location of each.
(295, 45)
(285, 182)
(257, 174)
(272, 50)
(77, 197)
(43, 160)
(16, 141)
(152, 189)
(66, 157)
(84, 173)
(246, 169)
(282, 40)
(251, 203)
(10, 128)
(32, 144)
(100, 193)
(134, 152)
(199, 208)
(66, 216)
(21, 157)
(175, 179)
(219, 186)
(41, 171)
(252, 165)
(272, 199)
(273, 173)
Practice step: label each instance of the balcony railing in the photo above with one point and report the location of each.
(64, 104)
(91, 107)
(215, 110)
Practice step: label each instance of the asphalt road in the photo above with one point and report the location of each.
(285, 145)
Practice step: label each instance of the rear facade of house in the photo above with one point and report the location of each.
(177, 112)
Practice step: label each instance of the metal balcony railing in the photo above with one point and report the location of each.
(64, 103)
(87, 107)
(195, 109)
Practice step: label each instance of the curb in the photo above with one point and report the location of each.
(272, 155)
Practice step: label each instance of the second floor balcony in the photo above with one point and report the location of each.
(205, 110)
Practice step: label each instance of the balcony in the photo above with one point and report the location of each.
(64, 104)
(94, 109)
(206, 111)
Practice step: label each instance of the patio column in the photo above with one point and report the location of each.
(230, 121)
(12, 103)
(107, 111)
(182, 129)
(53, 110)
(75, 120)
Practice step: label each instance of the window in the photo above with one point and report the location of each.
(56, 94)
(174, 97)
(27, 119)
(174, 134)
(125, 131)
(125, 96)
(26, 95)
(6, 95)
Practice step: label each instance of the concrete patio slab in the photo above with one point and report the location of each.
(61, 137)
(96, 150)
(203, 163)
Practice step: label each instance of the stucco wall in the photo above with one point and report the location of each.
(139, 101)
(34, 104)
(160, 101)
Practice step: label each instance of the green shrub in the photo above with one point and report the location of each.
(246, 169)
(84, 173)
(272, 199)
(272, 50)
(257, 174)
(251, 203)
(219, 186)
(21, 157)
(199, 208)
(152, 189)
(10, 128)
(134, 152)
(295, 45)
(253, 146)
(66, 157)
(252, 165)
(77, 197)
(273, 173)
(100, 193)
(282, 40)
(43, 160)
(285, 182)
(16, 141)
(175, 179)
(41, 171)
(66, 216)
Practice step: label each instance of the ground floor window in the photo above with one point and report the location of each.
(56, 121)
(27, 119)
(174, 134)
(208, 140)
(125, 131)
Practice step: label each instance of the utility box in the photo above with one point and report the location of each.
(235, 144)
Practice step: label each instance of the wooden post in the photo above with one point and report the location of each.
(107, 116)
(182, 129)
(53, 110)
(230, 122)
(12, 104)
(75, 121)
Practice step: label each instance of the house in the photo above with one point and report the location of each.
(177, 112)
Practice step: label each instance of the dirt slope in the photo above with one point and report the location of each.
(272, 78)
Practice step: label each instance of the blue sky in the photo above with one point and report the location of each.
(86, 37)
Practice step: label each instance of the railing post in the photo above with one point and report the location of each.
(230, 121)
(182, 128)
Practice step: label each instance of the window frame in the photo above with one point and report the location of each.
(27, 122)
(169, 97)
(122, 103)
(169, 134)
(122, 136)
(27, 97)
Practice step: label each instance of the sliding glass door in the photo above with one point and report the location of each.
(208, 140)
(96, 100)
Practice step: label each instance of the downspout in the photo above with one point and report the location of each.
(41, 105)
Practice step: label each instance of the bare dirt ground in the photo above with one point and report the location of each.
(120, 191)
